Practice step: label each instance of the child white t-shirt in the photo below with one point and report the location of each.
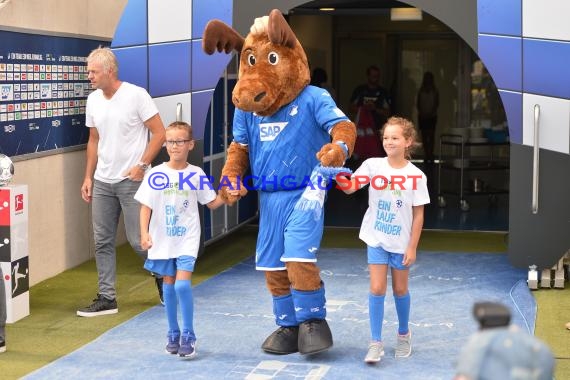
(392, 192)
(173, 196)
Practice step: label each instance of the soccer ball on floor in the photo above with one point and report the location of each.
(6, 170)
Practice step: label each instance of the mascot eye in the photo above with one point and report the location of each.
(251, 59)
(273, 58)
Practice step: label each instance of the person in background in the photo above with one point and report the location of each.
(370, 107)
(505, 353)
(319, 78)
(172, 233)
(391, 228)
(120, 117)
(2, 313)
(427, 103)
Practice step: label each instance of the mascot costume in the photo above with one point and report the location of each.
(289, 133)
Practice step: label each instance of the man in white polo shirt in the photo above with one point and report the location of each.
(120, 116)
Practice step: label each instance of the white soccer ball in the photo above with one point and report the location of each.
(6, 170)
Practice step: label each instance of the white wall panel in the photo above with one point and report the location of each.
(554, 122)
(169, 20)
(167, 107)
(546, 19)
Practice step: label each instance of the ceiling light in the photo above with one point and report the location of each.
(405, 14)
(326, 9)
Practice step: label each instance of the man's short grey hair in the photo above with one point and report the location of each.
(105, 57)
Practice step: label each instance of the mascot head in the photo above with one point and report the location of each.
(273, 65)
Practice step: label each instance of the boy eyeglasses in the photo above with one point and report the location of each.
(176, 142)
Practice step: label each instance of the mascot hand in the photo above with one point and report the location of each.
(331, 155)
(232, 194)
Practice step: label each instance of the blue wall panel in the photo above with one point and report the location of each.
(502, 57)
(547, 67)
(207, 69)
(132, 28)
(512, 101)
(169, 68)
(500, 17)
(133, 65)
(206, 10)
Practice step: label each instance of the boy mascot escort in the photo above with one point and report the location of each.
(286, 130)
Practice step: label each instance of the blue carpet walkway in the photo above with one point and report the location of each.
(233, 315)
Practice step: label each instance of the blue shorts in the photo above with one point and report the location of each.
(286, 234)
(168, 267)
(378, 255)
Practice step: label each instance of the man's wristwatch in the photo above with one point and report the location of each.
(143, 166)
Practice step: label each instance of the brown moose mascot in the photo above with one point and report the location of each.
(285, 130)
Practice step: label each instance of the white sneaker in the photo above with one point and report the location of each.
(404, 345)
(375, 352)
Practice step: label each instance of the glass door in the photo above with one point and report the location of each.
(441, 57)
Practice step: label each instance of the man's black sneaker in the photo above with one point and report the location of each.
(100, 306)
(2, 346)
(159, 282)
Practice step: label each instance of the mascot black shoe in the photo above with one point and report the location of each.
(283, 341)
(314, 336)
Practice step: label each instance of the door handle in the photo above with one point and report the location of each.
(535, 160)
(179, 112)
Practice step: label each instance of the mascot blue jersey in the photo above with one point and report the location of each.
(283, 146)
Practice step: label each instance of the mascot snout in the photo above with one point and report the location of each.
(256, 95)
(251, 95)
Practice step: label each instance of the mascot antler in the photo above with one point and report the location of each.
(280, 32)
(219, 36)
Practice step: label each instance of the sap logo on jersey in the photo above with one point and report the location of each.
(269, 131)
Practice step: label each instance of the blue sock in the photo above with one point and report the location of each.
(284, 311)
(309, 304)
(170, 306)
(403, 310)
(186, 301)
(376, 311)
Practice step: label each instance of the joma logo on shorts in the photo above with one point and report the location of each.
(269, 131)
